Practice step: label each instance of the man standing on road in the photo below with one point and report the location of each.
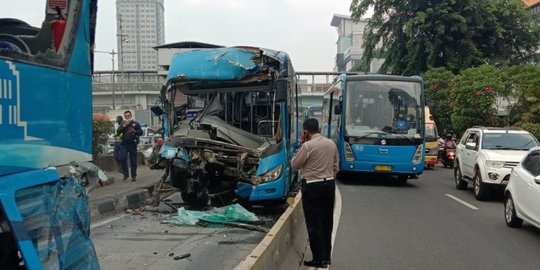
(119, 151)
(130, 131)
(318, 159)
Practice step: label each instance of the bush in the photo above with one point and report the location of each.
(101, 128)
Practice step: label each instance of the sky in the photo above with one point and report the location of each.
(298, 27)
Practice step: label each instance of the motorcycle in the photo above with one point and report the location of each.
(448, 157)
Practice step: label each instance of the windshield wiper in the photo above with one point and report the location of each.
(531, 141)
(499, 147)
(403, 136)
(369, 133)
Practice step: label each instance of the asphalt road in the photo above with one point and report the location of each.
(385, 225)
(143, 241)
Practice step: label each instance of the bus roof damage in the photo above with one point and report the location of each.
(216, 156)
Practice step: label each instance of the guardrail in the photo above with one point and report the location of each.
(284, 245)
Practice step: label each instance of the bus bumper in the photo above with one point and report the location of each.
(382, 167)
(274, 190)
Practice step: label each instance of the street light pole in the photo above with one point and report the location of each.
(112, 53)
(121, 37)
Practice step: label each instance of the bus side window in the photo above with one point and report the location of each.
(49, 44)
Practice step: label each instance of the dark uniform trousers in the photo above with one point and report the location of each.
(318, 203)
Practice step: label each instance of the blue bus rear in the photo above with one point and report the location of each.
(240, 143)
(377, 122)
(45, 131)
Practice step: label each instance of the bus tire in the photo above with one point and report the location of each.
(402, 179)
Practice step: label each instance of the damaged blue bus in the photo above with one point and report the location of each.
(46, 137)
(378, 124)
(240, 144)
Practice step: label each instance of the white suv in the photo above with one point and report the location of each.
(486, 156)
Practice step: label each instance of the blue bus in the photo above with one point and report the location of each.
(240, 144)
(378, 124)
(45, 132)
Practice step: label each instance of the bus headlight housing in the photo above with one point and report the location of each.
(269, 176)
(349, 154)
(417, 158)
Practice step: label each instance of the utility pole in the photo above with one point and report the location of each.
(112, 53)
(121, 38)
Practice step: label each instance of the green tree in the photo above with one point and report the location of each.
(423, 34)
(439, 83)
(521, 83)
(525, 83)
(101, 128)
(474, 97)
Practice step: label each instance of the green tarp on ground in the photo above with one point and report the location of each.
(231, 213)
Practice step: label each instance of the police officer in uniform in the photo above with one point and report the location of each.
(318, 161)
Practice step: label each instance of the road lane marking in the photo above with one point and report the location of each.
(106, 221)
(462, 201)
(337, 215)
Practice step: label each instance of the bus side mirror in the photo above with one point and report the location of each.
(157, 110)
(337, 109)
(282, 88)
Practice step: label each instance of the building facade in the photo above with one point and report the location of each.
(114, 92)
(350, 44)
(140, 26)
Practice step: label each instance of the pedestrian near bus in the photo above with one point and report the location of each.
(318, 160)
(130, 131)
(119, 152)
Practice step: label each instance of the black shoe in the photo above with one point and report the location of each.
(317, 264)
(133, 179)
(125, 178)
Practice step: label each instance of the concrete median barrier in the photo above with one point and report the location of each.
(284, 245)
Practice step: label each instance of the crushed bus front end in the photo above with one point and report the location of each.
(234, 147)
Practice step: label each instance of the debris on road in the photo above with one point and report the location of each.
(187, 255)
(245, 226)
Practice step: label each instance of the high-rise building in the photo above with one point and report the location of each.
(139, 26)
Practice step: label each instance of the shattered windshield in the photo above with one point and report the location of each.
(253, 112)
(247, 118)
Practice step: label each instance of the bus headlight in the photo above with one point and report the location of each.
(269, 176)
(417, 158)
(349, 154)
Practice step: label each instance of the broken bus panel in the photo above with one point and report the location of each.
(45, 135)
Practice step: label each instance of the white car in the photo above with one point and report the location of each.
(485, 157)
(522, 195)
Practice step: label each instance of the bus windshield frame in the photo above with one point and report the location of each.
(390, 109)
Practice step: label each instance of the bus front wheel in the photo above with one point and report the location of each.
(402, 179)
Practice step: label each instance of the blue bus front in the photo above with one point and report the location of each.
(380, 128)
